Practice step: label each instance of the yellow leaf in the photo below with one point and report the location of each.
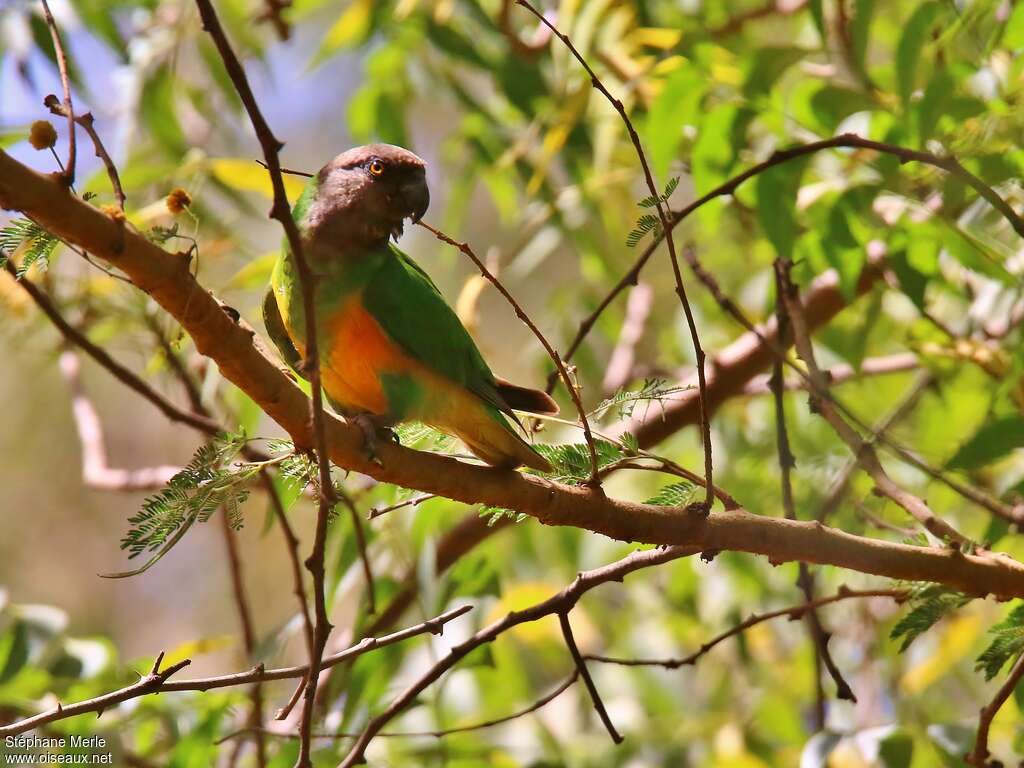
(253, 275)
(656, 37)
(198, 647)
(547, 629)
(469, 297)
(349, 29)
(249, 176)
(957, 640)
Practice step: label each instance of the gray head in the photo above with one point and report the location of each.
(365, 194)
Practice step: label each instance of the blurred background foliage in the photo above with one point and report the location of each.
(536, 171)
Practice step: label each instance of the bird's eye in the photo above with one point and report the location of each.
(376, 167)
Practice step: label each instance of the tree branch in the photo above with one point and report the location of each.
(157, 682)
(793, 612)
(666, 228)
(69, 110)
(281, 211)
(978, 756)
(167, 279)
(559, 604)
(595, 480)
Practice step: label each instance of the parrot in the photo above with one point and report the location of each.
(391, 349)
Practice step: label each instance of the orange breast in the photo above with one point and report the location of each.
(354, 352)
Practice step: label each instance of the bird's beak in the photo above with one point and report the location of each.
(416, 197)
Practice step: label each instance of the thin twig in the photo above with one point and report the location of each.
(793, 612)
(248, 632)
(900, 362)
(87, 121)
(622, 360)
(947, 163)
(666, 227)
(865, 453)
(559, 603)
(62, 67)
(819, 637)
(413, 502)
(96, 472)
(131, 380)
(978, 756)
(281, 211)
(581, 667)
(157, 681)
(841, 483)
(357, 525)
(438, 734)
(595, 479)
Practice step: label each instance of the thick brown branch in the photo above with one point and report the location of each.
(167, 279)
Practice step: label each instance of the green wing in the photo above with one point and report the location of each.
(278, 333)
(412, 311)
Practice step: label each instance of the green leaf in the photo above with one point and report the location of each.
(35, 244)
(571, 462)
(916, 33)
(1007, 643)
(896, 750)
(860, 31)
(776, 204)
(202, 487)
(157, 106)
(675, 495)
(930, 603)
(13, 651)
(675, 106)
(991, 443)
(1013, 32)
(912, 282)
(766, 66)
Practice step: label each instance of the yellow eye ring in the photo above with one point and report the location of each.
(376, 167)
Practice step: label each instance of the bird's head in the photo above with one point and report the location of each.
(366, 193)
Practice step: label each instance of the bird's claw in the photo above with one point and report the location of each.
(372, 431)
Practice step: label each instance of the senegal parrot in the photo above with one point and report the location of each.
(391, 349)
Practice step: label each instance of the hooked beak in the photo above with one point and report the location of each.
(415, 197)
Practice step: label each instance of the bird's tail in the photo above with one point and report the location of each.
(492, 438)
(526, 399)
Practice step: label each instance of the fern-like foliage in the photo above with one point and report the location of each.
(37, 245)
(494, 514)
(624, 402)
(675, 495)
(648, 222)
(570, 463)
(930, 603)
(1007, 643)
(650, 202)
(211, 481)
(413, 434)
(161, 235)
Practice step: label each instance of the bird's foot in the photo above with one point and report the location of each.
(373, 430)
